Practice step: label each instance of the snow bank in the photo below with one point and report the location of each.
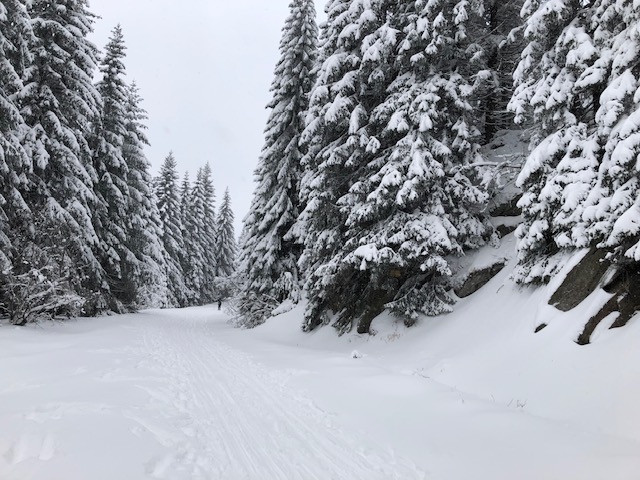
(477, 393)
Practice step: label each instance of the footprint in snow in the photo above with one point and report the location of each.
(31, 446)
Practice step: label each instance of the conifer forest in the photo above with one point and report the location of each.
(84, 228)
(426, 266)
(376, 172)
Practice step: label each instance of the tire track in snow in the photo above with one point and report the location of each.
(237, 420)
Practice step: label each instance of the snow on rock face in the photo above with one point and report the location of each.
(478, 279)
(581, 281)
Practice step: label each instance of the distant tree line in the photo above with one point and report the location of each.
(199, 241)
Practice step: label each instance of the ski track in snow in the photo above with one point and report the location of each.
(178, 395)
(237, 420)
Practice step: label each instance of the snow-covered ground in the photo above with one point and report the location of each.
(180, 394)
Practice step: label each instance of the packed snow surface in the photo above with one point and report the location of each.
(160, 395)
(181, 394)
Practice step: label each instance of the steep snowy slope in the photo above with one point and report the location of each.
(477, 393)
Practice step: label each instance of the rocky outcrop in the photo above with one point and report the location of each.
(624, 302)
(477, 279)
(507, 208)
(596, 271)
(581, 281)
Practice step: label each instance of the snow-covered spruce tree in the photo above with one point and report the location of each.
(59, 104)
(420, 206)
(204, 200)
(498, 53)
(143, 236)
(612, 211)
(111, 218)
(578, 81)
(225, 241)
(226, 282)
(269, 258)
(35, 272)
(192, 254)
(356, 67)
(166, 189)
(199, 221)
(425, 200)
(15, 31)
(395, 196)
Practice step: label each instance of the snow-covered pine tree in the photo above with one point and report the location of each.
(111, 217)
(356, 48)
(15, 31)
(144, 225)
(612, 211)
(199, 224)
(391, 194)
(498, 54)
(578, 80)
(166, 188)
(194, 256)
(426, 198)
(59, 104)
(188, 259)
(428, 184)
(269, 258)
(225, 242)
(203, 198)
(559, 82)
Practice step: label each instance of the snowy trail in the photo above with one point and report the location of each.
(157, 395)
(239, 420)
(182, 395)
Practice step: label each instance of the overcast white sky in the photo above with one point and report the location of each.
(204, 68)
